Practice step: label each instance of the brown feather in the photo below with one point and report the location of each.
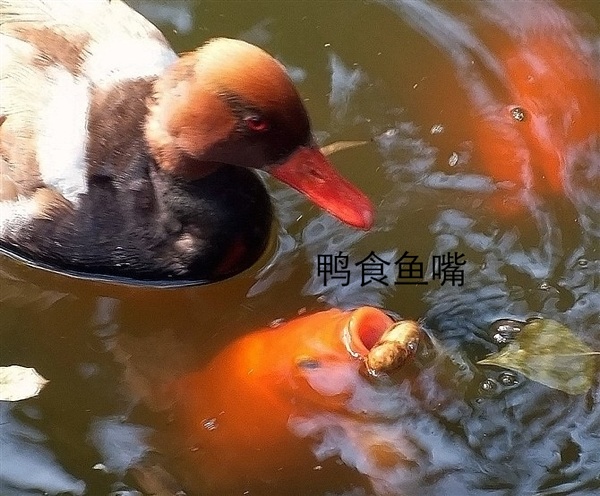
(50, 204)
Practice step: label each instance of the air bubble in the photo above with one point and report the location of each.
(504, 330)
(517, 114)
(488, 385)
(453, 159)
(210, 424)
(507, 379)
(276, 323)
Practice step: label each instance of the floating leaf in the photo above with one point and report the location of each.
(548, 352)
(19, 383)
(338, 146)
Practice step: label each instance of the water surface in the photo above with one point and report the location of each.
(410, 77)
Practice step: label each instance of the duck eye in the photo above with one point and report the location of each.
(256, 123)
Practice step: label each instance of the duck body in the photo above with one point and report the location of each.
(158, 236)
(119, 158)
(168, 227)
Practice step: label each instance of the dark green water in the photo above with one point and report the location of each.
(387, 72)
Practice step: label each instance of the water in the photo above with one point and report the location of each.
(417, 79)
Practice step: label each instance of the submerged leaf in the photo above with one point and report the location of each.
(548, 352)
(19, 383)
(338, 146)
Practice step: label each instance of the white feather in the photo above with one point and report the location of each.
(123, 58)
(47, 106)
(62, 134)
(16, 214)
(123, 44)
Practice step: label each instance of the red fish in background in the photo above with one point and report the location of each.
(553, 82)
(234, 414)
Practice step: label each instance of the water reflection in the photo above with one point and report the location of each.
(28, 466)
(418, 78)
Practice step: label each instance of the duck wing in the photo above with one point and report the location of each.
(56, 58)
(99, 18)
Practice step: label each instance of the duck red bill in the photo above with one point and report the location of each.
(308, 171)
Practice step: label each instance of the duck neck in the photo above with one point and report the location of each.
(169, 157)
(185, 121)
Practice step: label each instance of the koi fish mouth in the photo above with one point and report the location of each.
(383, 345)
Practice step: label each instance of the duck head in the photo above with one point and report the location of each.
(230, 102)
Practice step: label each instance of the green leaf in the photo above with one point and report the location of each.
(19, 383)
(548, 352)
(338, 146)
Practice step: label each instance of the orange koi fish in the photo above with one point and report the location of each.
(552, 122)
(236, 415)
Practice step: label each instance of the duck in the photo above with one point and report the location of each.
(120, 158)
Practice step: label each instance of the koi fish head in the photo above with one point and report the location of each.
(555, 95)
(234, 413)
(316, 358)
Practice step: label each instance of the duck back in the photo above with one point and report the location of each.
(79, 187)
